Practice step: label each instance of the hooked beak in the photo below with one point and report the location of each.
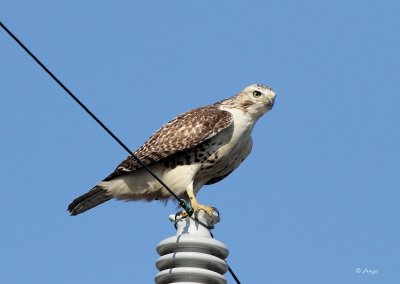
(270, 102)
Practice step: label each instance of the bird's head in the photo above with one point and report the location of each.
(257, 99)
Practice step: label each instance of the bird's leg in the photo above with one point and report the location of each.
(196, 206)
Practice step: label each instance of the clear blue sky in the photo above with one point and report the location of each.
(319, 195)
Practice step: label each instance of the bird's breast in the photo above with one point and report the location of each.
(227, 150)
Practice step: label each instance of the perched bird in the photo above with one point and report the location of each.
(199, 147)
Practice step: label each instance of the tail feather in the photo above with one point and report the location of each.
(92, 198)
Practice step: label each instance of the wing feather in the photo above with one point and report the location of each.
(182, 133)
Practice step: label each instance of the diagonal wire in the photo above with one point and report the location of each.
(182, 203)
(232, 273)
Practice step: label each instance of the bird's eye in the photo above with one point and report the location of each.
(256, 94)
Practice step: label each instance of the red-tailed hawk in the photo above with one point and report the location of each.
(199, 147)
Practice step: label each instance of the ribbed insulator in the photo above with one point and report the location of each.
(192, 255)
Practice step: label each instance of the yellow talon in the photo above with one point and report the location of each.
(196, 206)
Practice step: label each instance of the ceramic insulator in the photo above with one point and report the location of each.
(192, 255)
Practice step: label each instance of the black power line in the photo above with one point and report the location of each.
(182, 203)
(232, 273)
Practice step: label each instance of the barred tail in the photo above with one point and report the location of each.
(92, 198)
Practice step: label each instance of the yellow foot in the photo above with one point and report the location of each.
(197, 207)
